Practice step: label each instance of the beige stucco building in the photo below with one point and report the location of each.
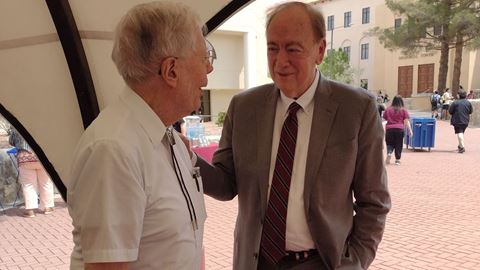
(385, 70)
(241, 48)
(241, 56)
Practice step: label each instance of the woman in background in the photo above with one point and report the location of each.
(397, 120)
(32, 176)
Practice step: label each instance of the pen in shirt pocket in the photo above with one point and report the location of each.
(196, 176)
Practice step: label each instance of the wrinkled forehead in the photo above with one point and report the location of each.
(294, 31)
(289, 21)
(292, 14)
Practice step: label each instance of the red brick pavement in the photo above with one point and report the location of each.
(42, 242)
(434, 223)
(435, 219)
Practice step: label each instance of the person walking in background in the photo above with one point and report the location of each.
(380, 107)
(435, 103)
(134, 197)
(398, 120)
(304, 155)
(445, 100)
(460, 110)
(33, 177)
(380, 96)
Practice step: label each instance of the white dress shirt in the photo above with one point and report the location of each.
(298, 235)
(125, 200)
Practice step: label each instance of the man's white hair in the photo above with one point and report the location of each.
(150, 32)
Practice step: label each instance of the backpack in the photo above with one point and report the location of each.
(434, 99)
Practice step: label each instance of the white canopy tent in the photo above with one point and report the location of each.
(55, 68)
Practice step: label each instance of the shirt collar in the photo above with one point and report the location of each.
(304, 100)
(150, 122)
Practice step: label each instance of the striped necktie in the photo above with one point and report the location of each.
(274, 228)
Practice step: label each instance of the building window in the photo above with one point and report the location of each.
(398, 22)
(365, 15)
(364, 51)
(330, 23)
(346, 50)
(347, 19)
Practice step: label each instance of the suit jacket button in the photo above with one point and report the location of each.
(255, 255)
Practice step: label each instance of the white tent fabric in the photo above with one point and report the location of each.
(36, 86)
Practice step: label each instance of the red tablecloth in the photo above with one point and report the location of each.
(206, 152)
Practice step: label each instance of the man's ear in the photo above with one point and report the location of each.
(168, 71)
(321, 52)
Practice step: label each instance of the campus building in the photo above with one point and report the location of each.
(241, 62)
(241, 49)
(378, 68)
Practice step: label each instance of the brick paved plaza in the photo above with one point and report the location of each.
(434, 222)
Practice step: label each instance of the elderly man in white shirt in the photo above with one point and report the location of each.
(133, 194)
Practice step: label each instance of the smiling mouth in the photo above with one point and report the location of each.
(284, 75)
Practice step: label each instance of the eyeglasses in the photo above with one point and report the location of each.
(211, 56)
(211, 53)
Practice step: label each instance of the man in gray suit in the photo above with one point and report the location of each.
(323, 165)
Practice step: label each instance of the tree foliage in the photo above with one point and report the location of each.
(434, 25)
(336, 66)
(220, 119)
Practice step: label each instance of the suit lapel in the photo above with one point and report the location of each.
(265, 115)
(324, 112)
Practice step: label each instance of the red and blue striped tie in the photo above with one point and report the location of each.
(274, 228)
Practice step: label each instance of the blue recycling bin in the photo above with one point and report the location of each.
(423, 129)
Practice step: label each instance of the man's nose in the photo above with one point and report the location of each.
(282, 58)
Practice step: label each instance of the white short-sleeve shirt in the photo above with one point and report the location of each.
(124, 197)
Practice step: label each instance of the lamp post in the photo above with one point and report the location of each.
(331, 38)
(331, 34)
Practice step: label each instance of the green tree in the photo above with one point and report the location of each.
(434, 25)
(220, 119)
(336, 66)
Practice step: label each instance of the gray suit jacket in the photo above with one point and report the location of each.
(346, 198)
